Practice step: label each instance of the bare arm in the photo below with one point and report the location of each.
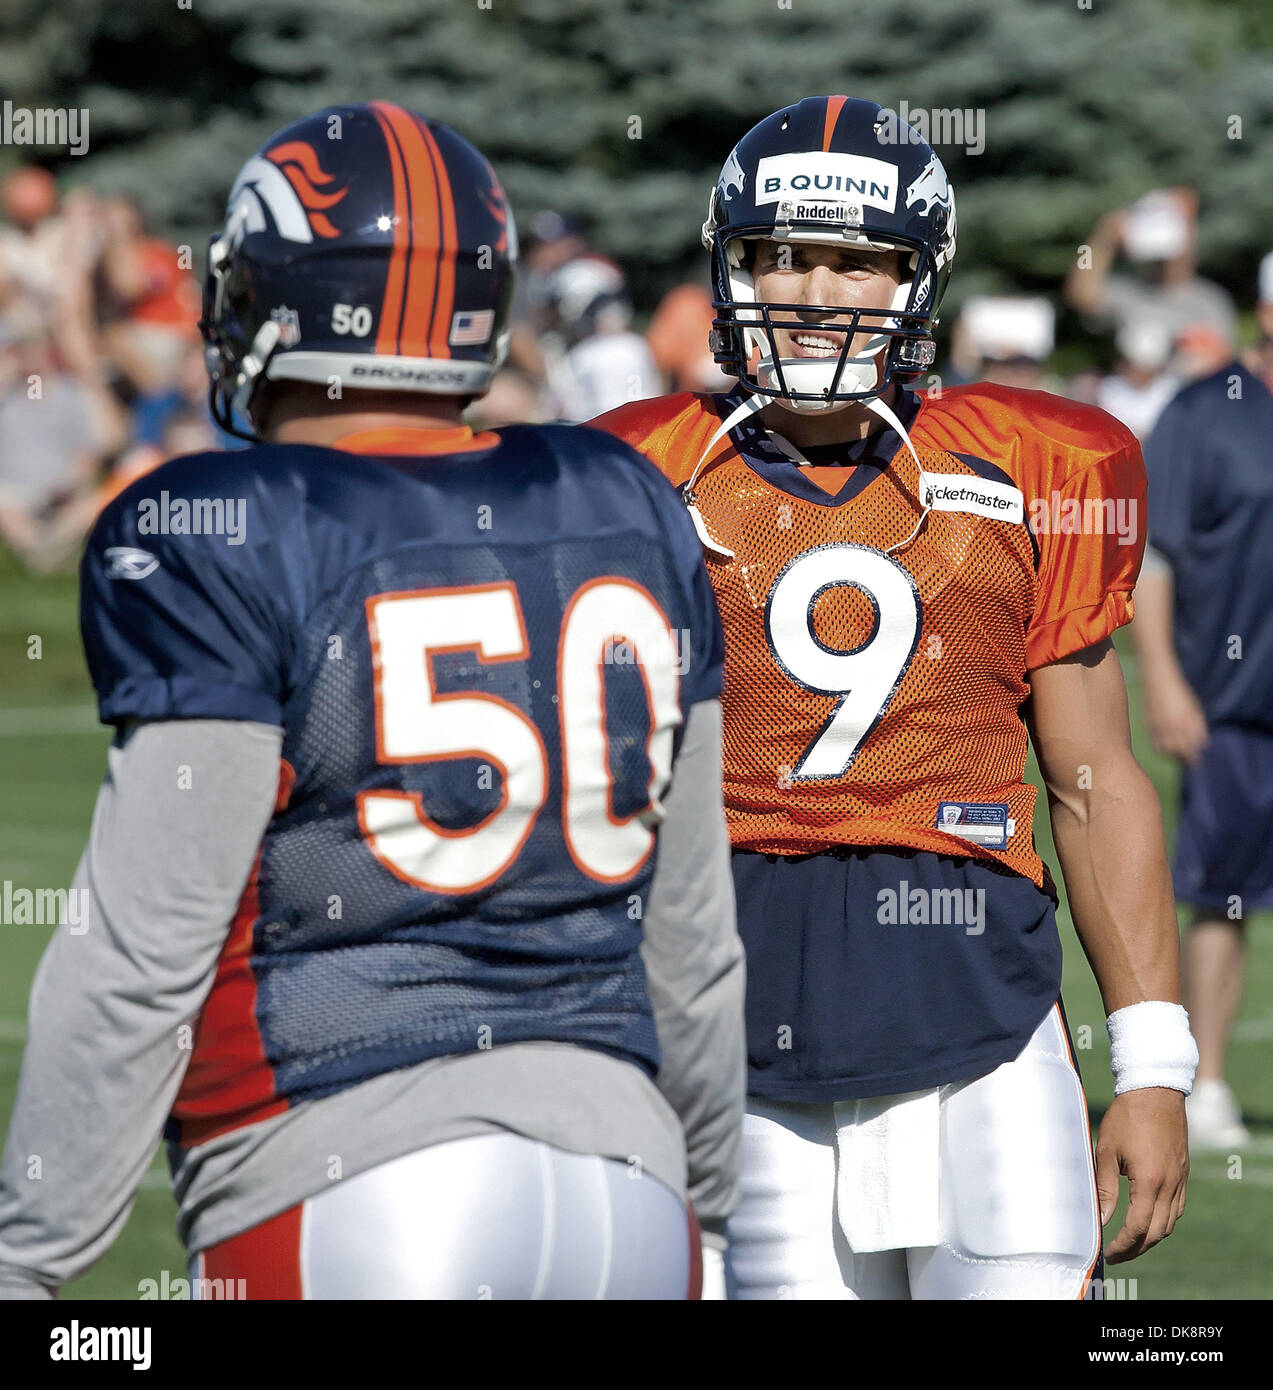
(1173, 712)
(1085, 284)
(1107, 823)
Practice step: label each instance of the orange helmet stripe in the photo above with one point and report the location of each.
(440, 329)
(834, 106)
(429, 254)
(389, 337)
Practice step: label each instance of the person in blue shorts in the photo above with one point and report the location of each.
(1204, 635)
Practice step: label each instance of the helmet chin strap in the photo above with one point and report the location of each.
(254, 364)
(741, 412)
(744, 411)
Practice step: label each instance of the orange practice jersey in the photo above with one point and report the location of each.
(876, 667)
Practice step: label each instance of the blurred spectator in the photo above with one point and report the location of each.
(164, 427)
(46, 258)
(50, 448)
(1204, 637)
(31, 246)
(549, 242)
(1005, 339)
(603, 363)
(1260, 358)
(148, 304)
(1140, 385)
(1158, 233)
(187, 394)
(513, 399)
(677, 337)
(1201, 350)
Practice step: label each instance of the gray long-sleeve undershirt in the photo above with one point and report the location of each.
(175, 833)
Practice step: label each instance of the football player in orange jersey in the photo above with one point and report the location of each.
(912, 587)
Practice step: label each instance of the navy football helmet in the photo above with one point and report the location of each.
(366, 243)
(839, 172)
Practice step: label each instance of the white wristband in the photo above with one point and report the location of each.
(1150, 1045)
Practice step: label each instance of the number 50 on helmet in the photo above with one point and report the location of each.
(366, 245)
(838, 172)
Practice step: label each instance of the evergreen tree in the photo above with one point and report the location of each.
(622, 111)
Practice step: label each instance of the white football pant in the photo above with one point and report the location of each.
(980, 1189)
(491, 1216)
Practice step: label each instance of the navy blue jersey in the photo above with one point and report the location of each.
(481, 663)
(970, 952)
(1210, 465)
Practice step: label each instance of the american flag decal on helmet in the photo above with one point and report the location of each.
(471, 329)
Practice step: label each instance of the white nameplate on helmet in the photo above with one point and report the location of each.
(826, 177)
(956, 492)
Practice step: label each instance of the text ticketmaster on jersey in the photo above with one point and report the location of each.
(1055, 514)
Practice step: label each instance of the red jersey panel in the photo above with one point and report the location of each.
(878, 637)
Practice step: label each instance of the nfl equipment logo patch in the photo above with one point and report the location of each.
(985, 823)
(289, 324)
(472, 329)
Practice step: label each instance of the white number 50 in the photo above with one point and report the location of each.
(416, 724)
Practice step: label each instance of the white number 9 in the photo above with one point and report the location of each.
(866, 678)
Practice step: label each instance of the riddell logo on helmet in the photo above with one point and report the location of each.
(820, 212)
(826, 177)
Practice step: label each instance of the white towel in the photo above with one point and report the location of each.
(889, 1164)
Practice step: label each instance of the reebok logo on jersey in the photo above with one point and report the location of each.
(954, 492)
(127, 562)
(827, 177)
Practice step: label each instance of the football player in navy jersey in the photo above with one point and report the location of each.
(380, 918)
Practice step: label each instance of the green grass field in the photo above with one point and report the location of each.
(52, 755)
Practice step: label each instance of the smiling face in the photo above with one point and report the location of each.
(834, 277)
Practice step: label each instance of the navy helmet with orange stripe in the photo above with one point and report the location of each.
(365, 244)
(840, 172)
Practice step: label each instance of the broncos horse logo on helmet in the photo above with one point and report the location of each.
(365, 243)
(830, 170)
(932, 186)
(732, 176)
(281, 188)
